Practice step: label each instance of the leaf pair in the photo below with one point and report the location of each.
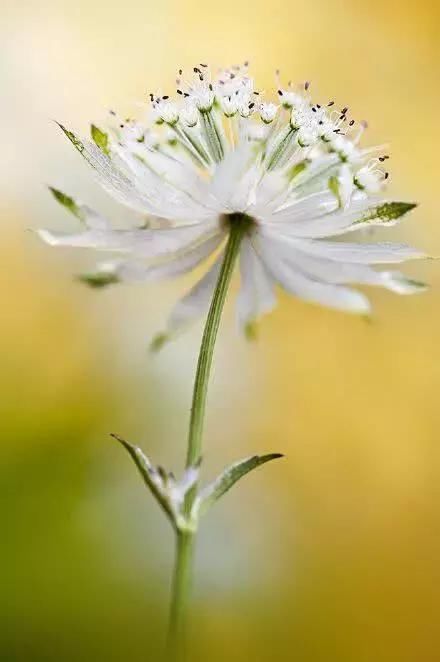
(171, 493)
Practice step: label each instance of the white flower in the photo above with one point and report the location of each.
(268, 112)
(293, 175)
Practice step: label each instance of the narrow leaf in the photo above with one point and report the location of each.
(149, 474)
(228, 478)
(100, 139)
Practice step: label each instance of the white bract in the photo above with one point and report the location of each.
(218, 154)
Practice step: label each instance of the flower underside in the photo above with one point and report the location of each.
(292, 171)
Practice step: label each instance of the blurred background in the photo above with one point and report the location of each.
(329, 555)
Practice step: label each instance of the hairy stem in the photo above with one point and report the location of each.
(186, 539)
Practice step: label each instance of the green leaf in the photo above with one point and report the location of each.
(99, 279)
(227, 479)
(67, 202)
(148, 472)
(387, 212)
(100, 139)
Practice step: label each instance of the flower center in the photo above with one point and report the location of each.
(238, 219)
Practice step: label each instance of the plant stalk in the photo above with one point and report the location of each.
(185, 540)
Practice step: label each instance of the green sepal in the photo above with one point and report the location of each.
(213, 492)
(100, 139)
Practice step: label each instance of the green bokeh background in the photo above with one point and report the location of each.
(330, 555)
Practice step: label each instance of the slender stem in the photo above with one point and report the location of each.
(185, 539)
(180, 593)
(238, 227)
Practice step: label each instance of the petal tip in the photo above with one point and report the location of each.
(159, 341)
(47, 237)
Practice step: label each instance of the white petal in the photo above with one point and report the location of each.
(338, 273)
(256, 295)
(115, 181)
(293, 281)
(345, 185)
(93, 220)
(235, 177)
(399, 283)
(174, 189)
(145, 243)
(316, 175)
(358, 253)
(196, 303)
(176, 265)
(306, 208)
(361, 213)
(271, 193)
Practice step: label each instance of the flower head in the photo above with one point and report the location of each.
(217, 151)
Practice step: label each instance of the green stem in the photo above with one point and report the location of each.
(239, 223)
(180, 593)
(198, 407)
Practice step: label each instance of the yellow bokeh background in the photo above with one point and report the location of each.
(331, 554)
